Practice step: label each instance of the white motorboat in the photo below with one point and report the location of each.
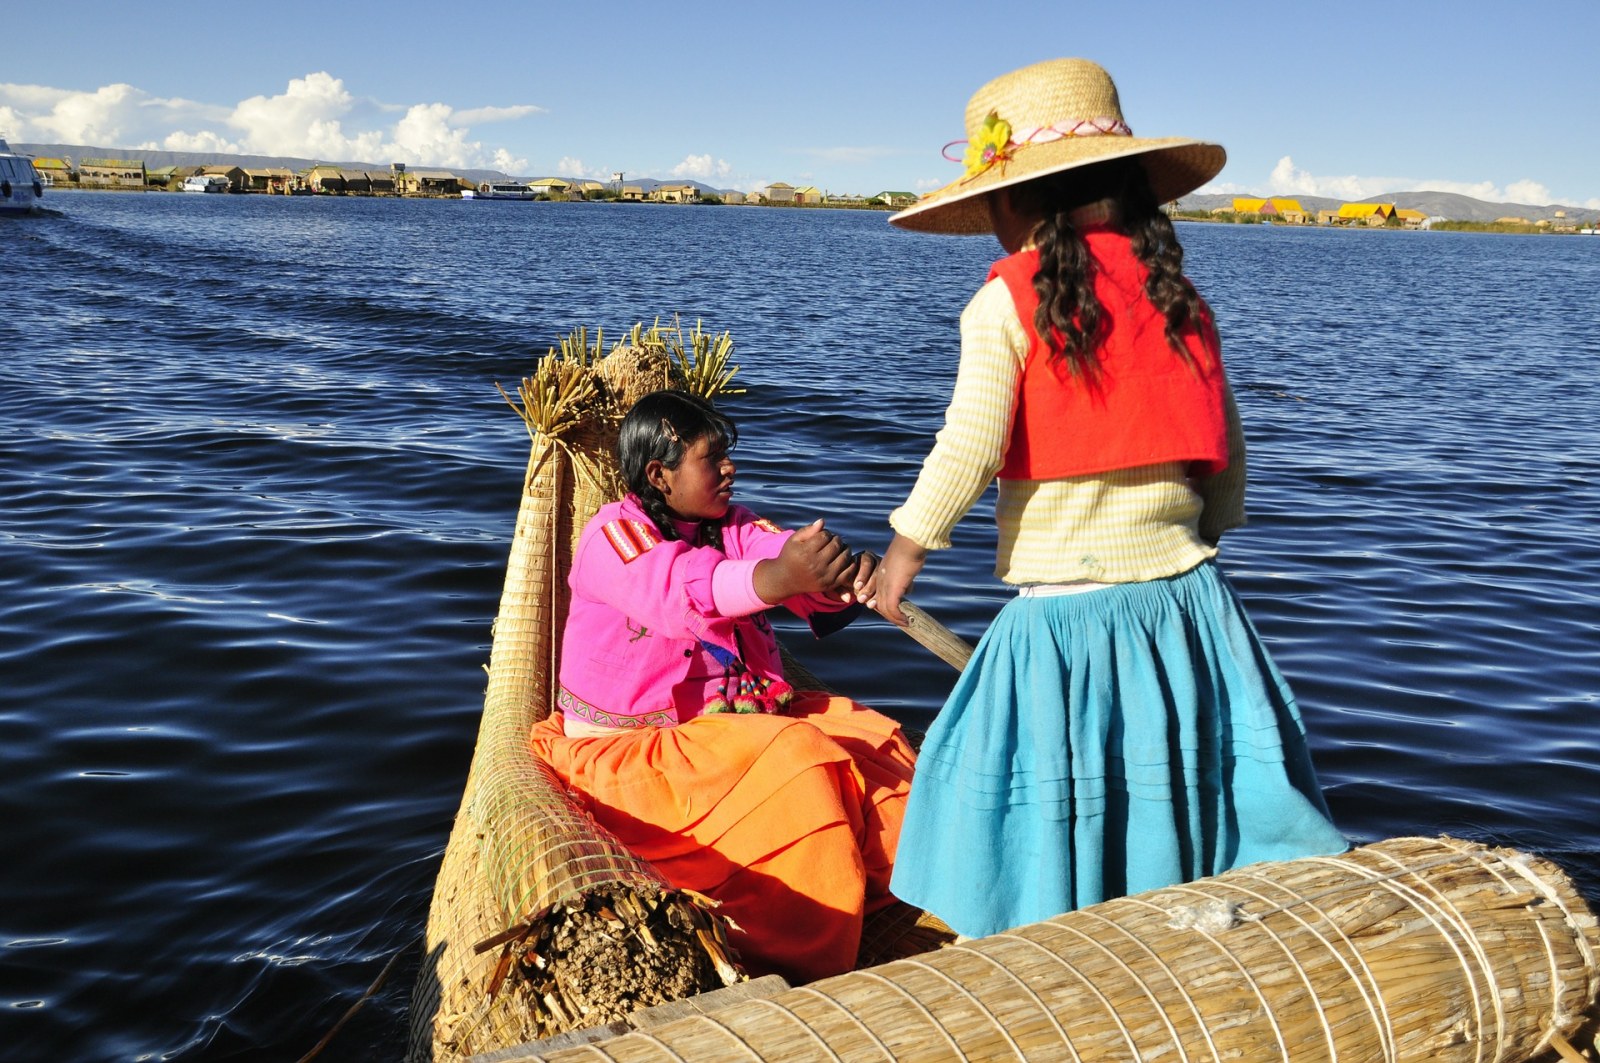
(21, 189)
(499, 190)
(205, 182)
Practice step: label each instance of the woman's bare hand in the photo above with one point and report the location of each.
(813, 560)
(892, 578)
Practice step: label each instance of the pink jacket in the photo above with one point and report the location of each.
(644, 643)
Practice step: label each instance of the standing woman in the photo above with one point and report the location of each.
(1121, 726)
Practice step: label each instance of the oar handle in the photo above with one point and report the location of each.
(946, 644)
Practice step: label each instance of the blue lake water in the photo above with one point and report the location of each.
(257, 484)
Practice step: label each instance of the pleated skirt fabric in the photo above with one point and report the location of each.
(1103, 744)
(790, 821)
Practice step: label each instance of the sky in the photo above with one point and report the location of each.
(1495, 100)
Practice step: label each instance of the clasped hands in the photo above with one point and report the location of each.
(815, 561)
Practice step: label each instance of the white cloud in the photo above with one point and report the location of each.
(74, 117)
(928, 184)
(1288, 179)
(427, 132)
(507, 163)
(702, 167)
(11, 123)
(568, 166)
(1530, 192)
(306, 119)
(481, 115)
(32, 97)
(314, 117)
(206, 141)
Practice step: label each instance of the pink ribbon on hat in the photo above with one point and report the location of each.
(1087, 127)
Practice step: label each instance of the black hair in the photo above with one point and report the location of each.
(662, 426)
(1068, 318)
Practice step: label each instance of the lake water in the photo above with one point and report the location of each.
(256, 488)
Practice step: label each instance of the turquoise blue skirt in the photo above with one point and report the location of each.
(1103, 744)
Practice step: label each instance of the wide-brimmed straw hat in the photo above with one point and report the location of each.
(1045, 118)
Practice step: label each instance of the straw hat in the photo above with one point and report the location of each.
(1045, 118)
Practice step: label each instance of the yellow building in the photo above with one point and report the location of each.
(54, 171)
(551, 187)
(1373, 214)
(1285, 210)
(675, 194)
(1289, 210)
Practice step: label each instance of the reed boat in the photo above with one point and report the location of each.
(548, 940)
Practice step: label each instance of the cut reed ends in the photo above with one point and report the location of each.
(597, 957)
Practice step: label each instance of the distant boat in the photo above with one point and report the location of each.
(499, 190)
(21, 188)
(205, 182)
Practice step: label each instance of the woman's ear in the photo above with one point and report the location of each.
(655, 474)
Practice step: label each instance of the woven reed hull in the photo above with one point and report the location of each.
(1414, 949)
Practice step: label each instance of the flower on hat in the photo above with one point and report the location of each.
(989, 145)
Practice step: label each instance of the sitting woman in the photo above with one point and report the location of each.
(676, 728)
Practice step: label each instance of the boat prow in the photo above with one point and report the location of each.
(21, 187)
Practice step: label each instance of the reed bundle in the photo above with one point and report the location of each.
(1413, 949)
(534, 903)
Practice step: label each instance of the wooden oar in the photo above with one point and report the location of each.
(950, 647)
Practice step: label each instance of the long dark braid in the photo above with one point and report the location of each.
(662, 427)
(1069, 314)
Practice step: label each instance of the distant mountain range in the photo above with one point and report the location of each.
(155, 160)
(1434, 204)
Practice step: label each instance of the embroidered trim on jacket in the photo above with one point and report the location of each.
(630, 538)
(572, 705)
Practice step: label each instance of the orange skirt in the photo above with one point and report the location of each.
(790, 821)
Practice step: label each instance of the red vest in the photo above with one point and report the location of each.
(1144, 405)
